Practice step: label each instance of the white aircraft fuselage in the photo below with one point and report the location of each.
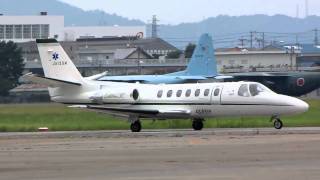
(163, 101)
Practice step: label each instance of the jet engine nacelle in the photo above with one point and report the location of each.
(115, 96)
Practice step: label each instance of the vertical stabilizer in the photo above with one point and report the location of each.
(203, 61)
(56, 63)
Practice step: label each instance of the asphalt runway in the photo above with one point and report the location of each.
(170, 155)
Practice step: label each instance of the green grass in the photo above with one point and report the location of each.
(29, 117)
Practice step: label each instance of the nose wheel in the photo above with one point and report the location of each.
(277, 123)
(197, 124)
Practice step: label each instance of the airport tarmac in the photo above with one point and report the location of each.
(153, 155)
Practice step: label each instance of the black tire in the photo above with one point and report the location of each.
(197, 125)
(278, 124)
(136, 126)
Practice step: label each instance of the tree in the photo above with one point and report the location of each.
(11, 66)
(174, 54)
(189, 50)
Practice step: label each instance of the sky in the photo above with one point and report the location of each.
(179, 11)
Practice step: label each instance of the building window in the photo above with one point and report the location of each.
(197, 93)
(1, 31)
(244, 61)
(26, 31)
(232, 62)
(159, 95)
(206, 92)
(9, 32)
(35, 31)
(188, 93)
(107, 57)
(18, 31)
(179, 92)
(169, 94)
(44, 31)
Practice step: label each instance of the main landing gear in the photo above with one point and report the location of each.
(197, 124)
(277, 123)
(135, 124)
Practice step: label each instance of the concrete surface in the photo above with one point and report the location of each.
(162, 133)
(189, 156)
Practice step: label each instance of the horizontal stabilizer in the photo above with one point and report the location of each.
(48, 81)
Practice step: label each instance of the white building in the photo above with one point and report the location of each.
(29, 28)
(246, 59)
(75, 32)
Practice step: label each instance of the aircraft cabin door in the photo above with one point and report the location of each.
(216, 94)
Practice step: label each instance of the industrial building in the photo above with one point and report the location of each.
(268, 59)
(42, 26)
(73, 33)
(29, 28)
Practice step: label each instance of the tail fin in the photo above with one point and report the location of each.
(203, 61)
(56, 63)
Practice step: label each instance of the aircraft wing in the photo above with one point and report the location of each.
(129, 110)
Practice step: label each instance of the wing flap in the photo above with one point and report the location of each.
(136, 111)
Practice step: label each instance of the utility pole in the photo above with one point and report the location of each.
(316, 39)
(242, 40)
(292, 53)
(263, 38)
(251, 38)
(307, 8)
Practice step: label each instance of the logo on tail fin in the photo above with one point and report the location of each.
(55, 56)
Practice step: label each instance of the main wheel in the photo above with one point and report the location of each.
(136, 126)
(278, 124)
(197, 125)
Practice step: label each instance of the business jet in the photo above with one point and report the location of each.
(135, 101)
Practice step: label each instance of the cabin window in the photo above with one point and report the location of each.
(188, 93)
(243, 91)
(169, 93)
(197, 92)
(160, 93)
(216, 92)
(206, 92)
(179, 93)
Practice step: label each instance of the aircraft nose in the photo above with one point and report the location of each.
(301, 106)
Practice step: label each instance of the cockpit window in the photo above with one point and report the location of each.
(256, 89)
(243, 90)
